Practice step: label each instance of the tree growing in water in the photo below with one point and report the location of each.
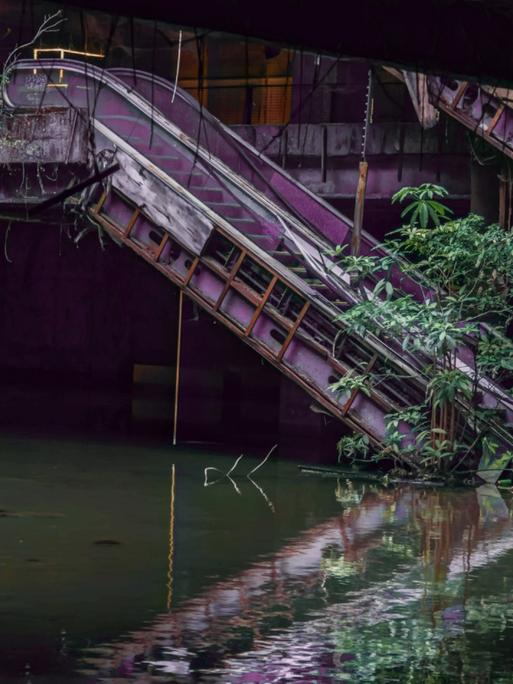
(465, 270)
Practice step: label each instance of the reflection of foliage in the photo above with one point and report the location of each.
(347, 494)
(401, 549)
(489, 616)
(416, 624)
(382, 650)
(339, 567)
(408, 647)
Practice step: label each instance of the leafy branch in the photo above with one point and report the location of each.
(468, 269)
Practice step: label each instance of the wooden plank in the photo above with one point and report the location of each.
(356, 233)
(161, 205)
(417, 87)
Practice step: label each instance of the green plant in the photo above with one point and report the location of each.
(495, 355)
(423, 207)
(447, 385)
(466, 270)
(351, 383)
(353, 447)
(414, 417)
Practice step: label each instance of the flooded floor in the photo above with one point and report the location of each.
(113, 570)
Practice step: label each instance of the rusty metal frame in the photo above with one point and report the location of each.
(293, 331)
(459, 94)
(495, 119)
(128, 228)
(190, 272)
(231, 277)
(99, 205)
(470, 122)
(260, 306)
(161, 247)
(275, 359)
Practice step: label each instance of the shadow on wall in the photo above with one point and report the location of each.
(88, 345)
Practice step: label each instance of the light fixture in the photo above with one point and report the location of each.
(61, 53)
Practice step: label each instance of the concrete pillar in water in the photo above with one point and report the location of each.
(484, 191)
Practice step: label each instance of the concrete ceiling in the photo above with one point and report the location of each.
(465, 37)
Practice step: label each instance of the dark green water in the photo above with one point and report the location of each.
(294, 579)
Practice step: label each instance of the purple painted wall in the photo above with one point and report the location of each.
(229, 394)
(73, 323)
(398, 154)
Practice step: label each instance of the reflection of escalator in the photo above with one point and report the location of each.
(401, 558)
(268, 592)
(234, 231)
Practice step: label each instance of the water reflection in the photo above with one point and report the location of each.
(401, 585)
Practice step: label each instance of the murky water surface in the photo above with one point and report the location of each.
(110, 573)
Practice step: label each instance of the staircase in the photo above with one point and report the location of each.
(236, 234)
(482, 109)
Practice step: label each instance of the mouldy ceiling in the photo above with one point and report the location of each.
(464, 37)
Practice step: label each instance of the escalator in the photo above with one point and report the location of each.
(484, 110)
(237, 234)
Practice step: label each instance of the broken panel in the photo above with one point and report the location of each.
(41, 154)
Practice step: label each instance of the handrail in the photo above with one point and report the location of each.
(104, 78)
(226, 130)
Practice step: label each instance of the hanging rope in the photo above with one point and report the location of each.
(171, 548)
(177, 376)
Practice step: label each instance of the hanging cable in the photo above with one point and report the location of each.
(177, 65)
